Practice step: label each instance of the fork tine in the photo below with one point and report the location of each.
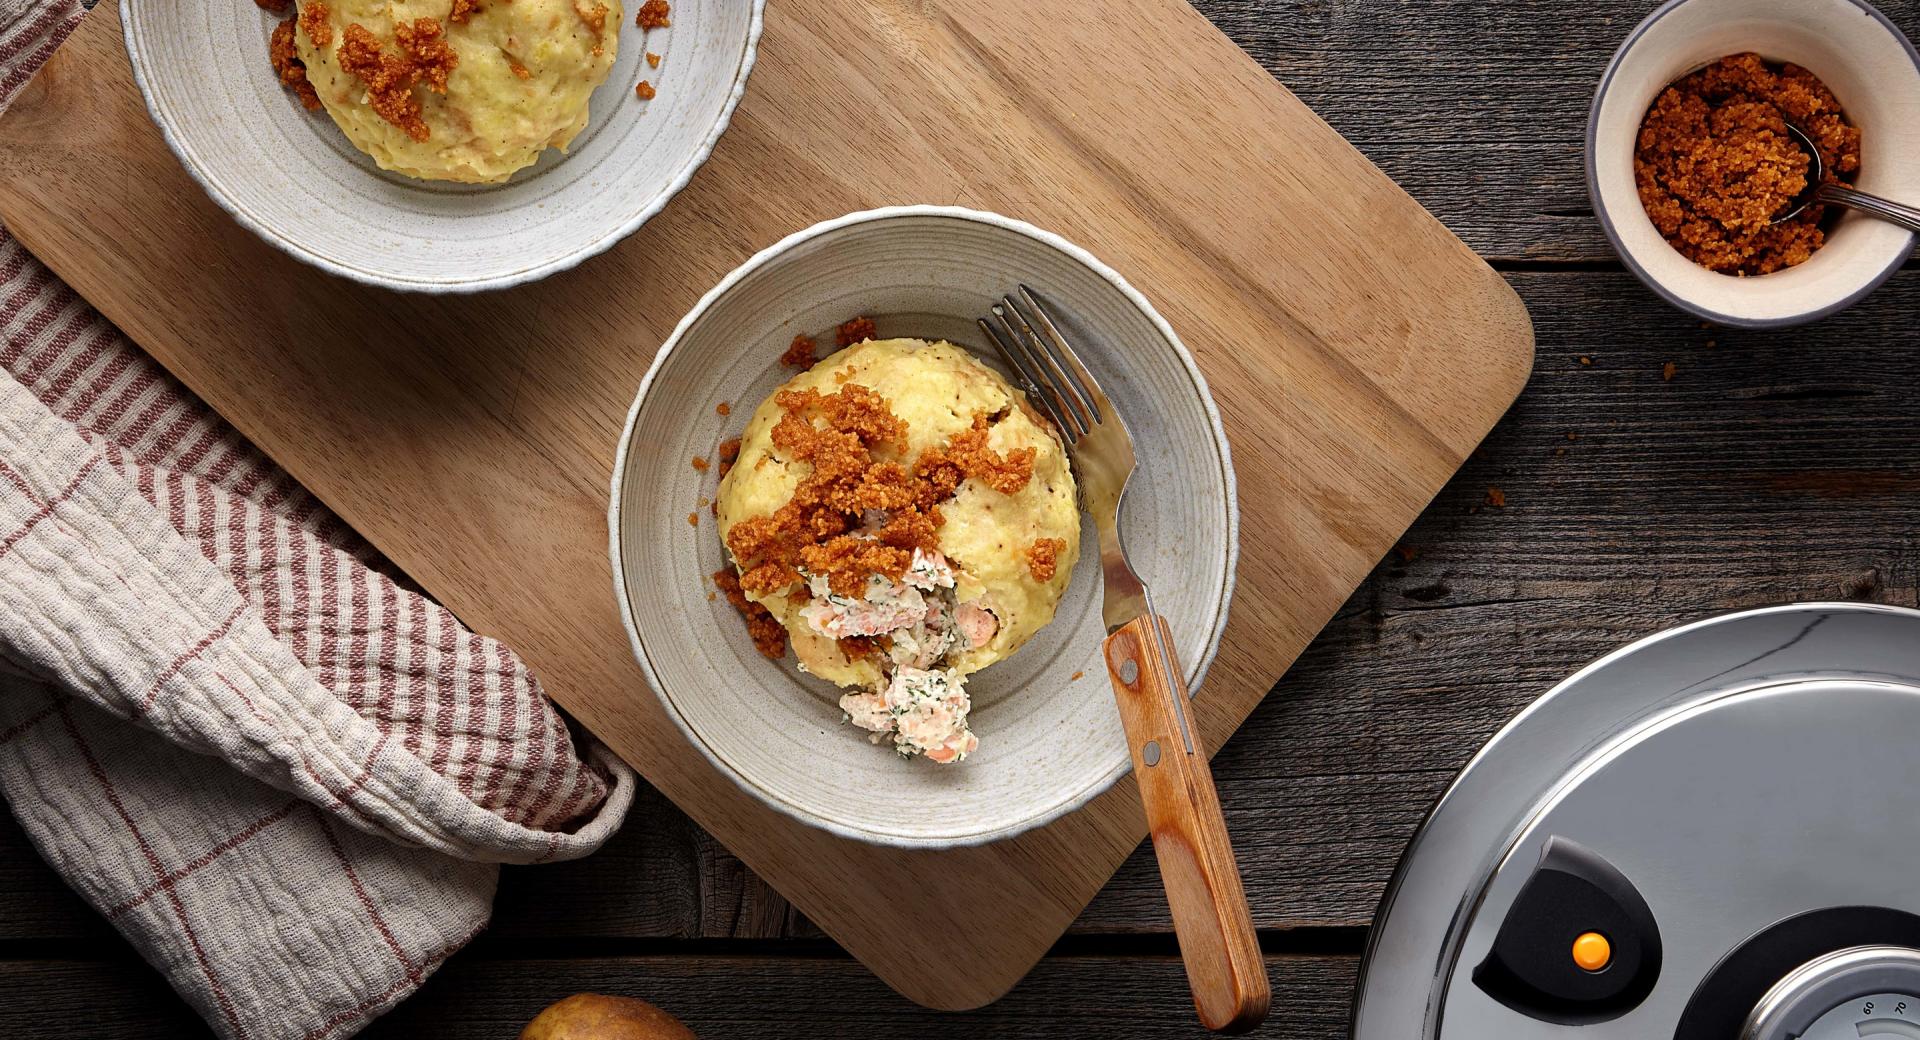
(1063, 415)
(1022, 370)
(1083, 412)
(1060, 351)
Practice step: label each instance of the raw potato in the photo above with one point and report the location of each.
(937, 388)
(596, 1016)
(490, 122)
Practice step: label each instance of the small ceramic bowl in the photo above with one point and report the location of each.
(291, 177)
(1050, 735)
(1870, 66)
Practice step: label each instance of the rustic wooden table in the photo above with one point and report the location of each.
(1761, 468)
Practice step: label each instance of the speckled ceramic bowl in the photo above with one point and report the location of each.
(1870, 66)
(1050, 736)
(291, 177)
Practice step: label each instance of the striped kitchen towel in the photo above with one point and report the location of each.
(284, 775)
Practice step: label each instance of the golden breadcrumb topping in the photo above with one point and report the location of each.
(285, 55)
(313, 19)
(858, 330)
(653, 15)
(423, 58)
(799, 353)
(855, 447)
(769, 636)
(1043, 558)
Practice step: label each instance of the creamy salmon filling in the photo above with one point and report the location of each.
(915, 623)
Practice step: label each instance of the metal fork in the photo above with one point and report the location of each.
(1210, 917)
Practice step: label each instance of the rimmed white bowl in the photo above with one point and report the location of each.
(290, 176)
(1872, 69)
(1050, 733)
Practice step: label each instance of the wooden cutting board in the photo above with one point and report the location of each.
(1358, 352)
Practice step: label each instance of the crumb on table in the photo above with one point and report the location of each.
(644, 91)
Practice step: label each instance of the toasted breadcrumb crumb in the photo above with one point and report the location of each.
(723, 409)
(424, 42)
(653, 60)
(520, 71)
(1043, 558)
(275, 6)
(594, 17)
(693, 519)
(313, 20)
(967, 455)
(1668, 371)
(799, 353)
(423, 58)
(463, 10)
(285, 56)
(858, 330)
(769, 636)
(700, 463)
(1496, 498)
(653, 15)
(644, 91)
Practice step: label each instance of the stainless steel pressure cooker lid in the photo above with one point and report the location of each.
(1712, 834)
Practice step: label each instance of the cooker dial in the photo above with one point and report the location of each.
(1859, 993)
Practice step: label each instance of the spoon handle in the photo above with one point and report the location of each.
(1873, 205)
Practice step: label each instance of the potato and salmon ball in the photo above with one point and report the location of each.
(908, 518)
(457, 90)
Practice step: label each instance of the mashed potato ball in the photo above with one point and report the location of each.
(910, 519)
(458, 90)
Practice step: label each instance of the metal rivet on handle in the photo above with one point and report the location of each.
(1151, 753)
(1130, 673)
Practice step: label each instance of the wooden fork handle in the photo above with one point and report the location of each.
(1210, 916)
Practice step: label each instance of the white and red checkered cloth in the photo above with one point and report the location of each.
(287, 778)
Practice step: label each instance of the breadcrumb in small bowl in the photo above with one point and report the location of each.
(1682, 166)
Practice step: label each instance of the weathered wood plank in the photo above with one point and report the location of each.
(725, 998)
(1772, 467)
(1478, 109)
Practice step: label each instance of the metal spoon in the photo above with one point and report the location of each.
(1818, 192)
